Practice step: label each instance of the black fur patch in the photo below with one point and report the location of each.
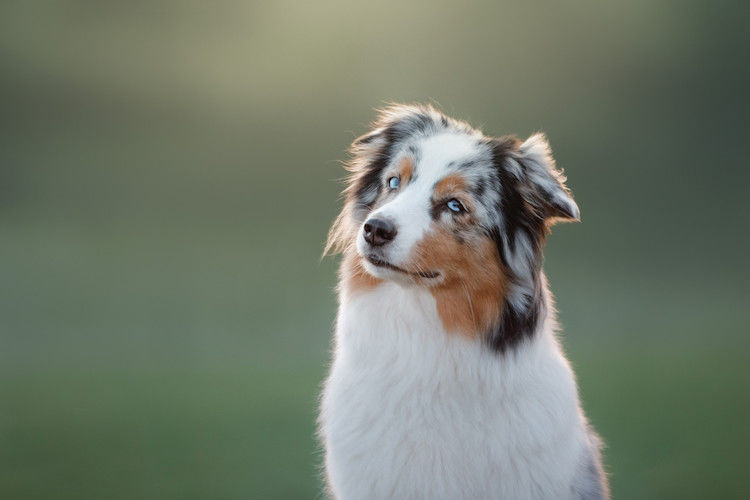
(393, 134)
(436, 210)
(516, 323)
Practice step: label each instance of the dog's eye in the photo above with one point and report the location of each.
(394, 182)
(455, 206)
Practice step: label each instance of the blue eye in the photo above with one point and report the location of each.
(394, 182)
(455, 206)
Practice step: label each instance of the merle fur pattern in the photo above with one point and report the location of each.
(520, 210)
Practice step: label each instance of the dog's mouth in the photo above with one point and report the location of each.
(387, 265)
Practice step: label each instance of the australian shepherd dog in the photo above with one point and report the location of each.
(448, 380)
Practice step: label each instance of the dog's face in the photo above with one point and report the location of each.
(429, 221)
(432, 202)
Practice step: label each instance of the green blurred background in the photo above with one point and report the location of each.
(168, 172)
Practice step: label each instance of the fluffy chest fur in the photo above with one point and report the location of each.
(412, 411)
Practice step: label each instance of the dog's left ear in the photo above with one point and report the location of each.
(541, 184)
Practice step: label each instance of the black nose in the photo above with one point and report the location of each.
(379, 232)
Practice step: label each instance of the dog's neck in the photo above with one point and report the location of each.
(521, 309)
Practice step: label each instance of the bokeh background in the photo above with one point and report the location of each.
(168, 172)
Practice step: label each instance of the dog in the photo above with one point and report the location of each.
(448, 380)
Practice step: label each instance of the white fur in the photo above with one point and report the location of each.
(412, 411)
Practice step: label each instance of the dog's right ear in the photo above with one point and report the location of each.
(367, 159)
(369, 143)
(394, 124)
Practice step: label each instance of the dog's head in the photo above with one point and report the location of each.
(432, 202)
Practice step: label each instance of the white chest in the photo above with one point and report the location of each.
(411, 411)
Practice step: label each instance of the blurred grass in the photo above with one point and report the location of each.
(187, 433)
(168, 173)
(674, 422)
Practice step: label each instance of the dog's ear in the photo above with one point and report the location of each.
(368, 158)
(541, 184)
(396, 123)
(370, 142)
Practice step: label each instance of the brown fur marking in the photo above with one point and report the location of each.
(450, 185)
(469, 299)
(406, 170)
